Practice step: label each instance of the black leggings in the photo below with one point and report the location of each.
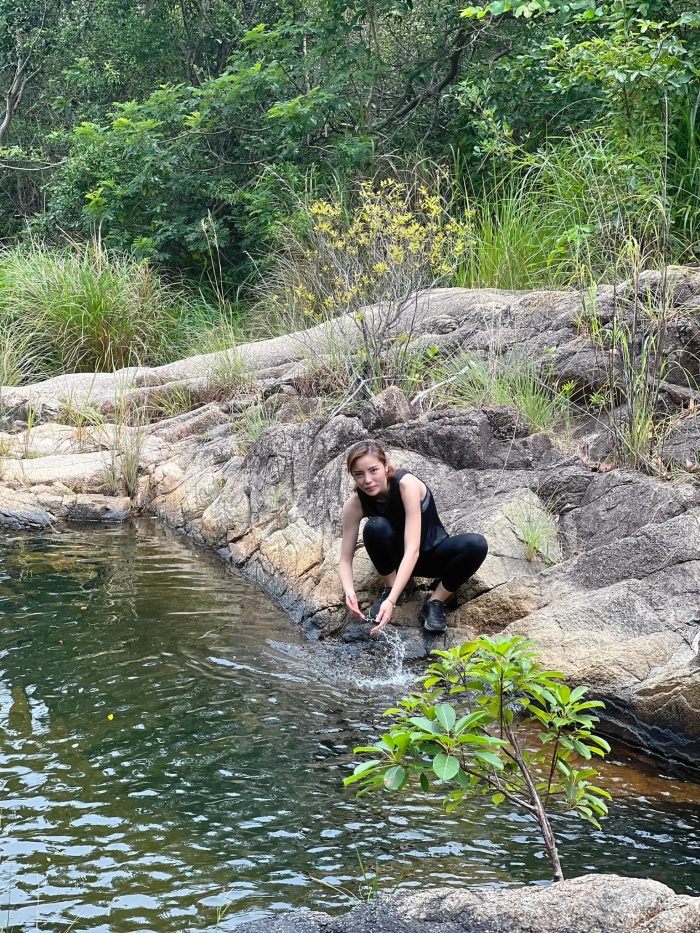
(453, 560)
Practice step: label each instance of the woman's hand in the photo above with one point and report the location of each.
(383, 616)
(351, 603)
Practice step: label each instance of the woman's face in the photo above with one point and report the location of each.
(369, 474)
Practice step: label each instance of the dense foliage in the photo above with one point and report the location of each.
(177, 128)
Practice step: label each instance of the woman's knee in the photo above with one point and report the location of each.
(377, 530)
(479, 547)
(471, 551)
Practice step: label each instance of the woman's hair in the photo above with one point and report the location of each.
(374, 448)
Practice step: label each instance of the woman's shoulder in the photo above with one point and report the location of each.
(405, 477)
(353, 504)
(408, 481)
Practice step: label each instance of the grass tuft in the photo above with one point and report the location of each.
(84, 309)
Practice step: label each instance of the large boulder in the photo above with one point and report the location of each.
(590, 904)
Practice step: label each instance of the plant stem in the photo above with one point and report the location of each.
(540, 813)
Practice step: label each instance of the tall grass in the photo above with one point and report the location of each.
(684, 179)
(479, 382)
(81, 308)
(562, 216)
(514, 238)
(18, 360)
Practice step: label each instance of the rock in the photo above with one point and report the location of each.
(663, 702)
(586, 366)
(82, 472)
(618, 503)
(95, 508)
(618, 609)
(466, 440)
(651, 549)
(682, 445)
(492, 611)
(389, 407)
(676, 287)
(592, 903)
(20, 510)
(42, 506)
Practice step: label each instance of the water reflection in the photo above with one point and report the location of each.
(171, 748)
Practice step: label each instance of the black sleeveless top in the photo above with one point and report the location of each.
(432, 531)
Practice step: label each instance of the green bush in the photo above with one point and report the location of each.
(491, 721)
(82, 308)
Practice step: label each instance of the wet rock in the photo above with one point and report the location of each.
(592, 903)
(20, 510)
(85, 508)
(667, 712)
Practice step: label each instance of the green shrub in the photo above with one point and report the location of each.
(491, 721)
(82, 308)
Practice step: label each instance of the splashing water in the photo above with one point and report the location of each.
(373, 665)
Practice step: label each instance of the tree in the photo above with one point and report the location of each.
(25, 38)
(512, 730)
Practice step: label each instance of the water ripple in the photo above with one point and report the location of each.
(173, 753)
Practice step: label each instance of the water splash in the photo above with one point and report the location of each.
(368, 665)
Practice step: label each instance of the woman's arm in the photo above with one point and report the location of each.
(411, 490)
(352, 516)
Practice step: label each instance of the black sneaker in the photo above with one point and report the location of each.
(376, 606)
(432, 615)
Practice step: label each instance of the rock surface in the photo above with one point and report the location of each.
(590, 904)
(612, 596)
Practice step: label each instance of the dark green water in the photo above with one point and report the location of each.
(172, 755)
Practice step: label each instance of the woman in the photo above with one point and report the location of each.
(403, 537)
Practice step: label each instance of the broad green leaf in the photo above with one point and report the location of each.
(426, 725)
(446, 716)
(395, 778)
(490, 758)
(445, 766)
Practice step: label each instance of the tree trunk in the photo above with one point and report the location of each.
(550, 842)
(13, 98)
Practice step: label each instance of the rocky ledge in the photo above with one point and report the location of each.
(591, 904)
(617, 602)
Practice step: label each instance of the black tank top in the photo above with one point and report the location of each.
(432, 531)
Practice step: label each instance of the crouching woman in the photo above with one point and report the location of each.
(403, 537)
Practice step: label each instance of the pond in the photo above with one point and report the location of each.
(172, 755)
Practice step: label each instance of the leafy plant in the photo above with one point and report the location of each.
(491, 721)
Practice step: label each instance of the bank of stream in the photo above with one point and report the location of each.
(173, 754)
